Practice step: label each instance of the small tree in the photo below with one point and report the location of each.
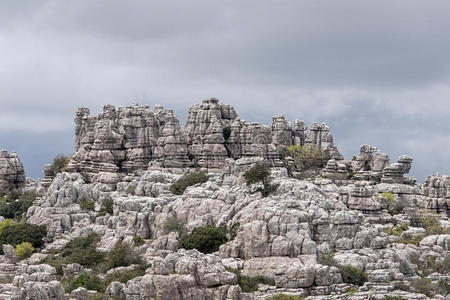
(306, 157)
(260, 174)
(60, 163)
(205, 239)
(181, 184)
(24, 250)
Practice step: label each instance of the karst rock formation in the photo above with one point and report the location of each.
(308, 237)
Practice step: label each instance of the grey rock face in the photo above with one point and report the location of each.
(12, 175)
(394, 173)
(436, 190)
(126, 140)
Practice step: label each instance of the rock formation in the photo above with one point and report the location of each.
(308, 237)
(12, 175)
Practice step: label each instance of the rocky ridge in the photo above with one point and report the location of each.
(299, 236)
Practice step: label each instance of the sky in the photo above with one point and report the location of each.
(377, 72)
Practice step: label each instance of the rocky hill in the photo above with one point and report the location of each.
(225, 209)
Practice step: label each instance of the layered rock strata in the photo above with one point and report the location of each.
(12, 174)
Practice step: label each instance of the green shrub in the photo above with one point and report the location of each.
(79, 250)
(131, 190)
(90, 282)
(353, 275)
(431, 223)
(327, 259)
(410, 239)
(138, 240)
(107, 206)
(389, 197)
(7, 222)
(24, 250)
(226, 132)
(122, 255)
(60, 163)
(174, 225)
(423, 286)
(87, 204)
(19, 233)
(285, 297)
(126, 275)
(15, 204)
(260, 174)
(250, 284)
(187, 180)
(306, 157)
(397, 230)
(205, 239)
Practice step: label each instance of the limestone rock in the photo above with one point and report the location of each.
(12, 175)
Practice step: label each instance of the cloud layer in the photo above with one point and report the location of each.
(377, 72)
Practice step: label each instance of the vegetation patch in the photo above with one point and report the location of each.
(24, 250)
(15, 205)
(413, 239)
(397, 230)
(14, 234)
(187, 180)
(285, 297)
(306, 157)
(260, 174)
(107, 206)
(250, 284)
(83, 251)
(131, 190)
(87, 204)
(60, 163)
(353, 275)
(226, 132)
(205, 239)
(138, 240)
(95, 283)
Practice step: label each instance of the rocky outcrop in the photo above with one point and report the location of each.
(394, 173)
(125, 140)
(436, 190)
(12, 175)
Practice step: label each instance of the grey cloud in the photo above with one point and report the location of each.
(377, 72)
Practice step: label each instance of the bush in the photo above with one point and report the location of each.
(353, 275)
(260, 174)
(397, 230)
(327, 259)
(19, 233)
(205, 239)
(16, 204)
(432, 224)
(80, 250)
(24, 250)
(138, 240)
(250, 284)
(60, 163)
(410, 239)
(90, 282)
(181, 184)
(423, 286)
(131, 190)
(285, 297)
(226, 132)
(7, 222)
(107, 206)
(306, 157)
(122, 255)
(87, 204)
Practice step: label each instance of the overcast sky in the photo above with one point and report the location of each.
(376, 71)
